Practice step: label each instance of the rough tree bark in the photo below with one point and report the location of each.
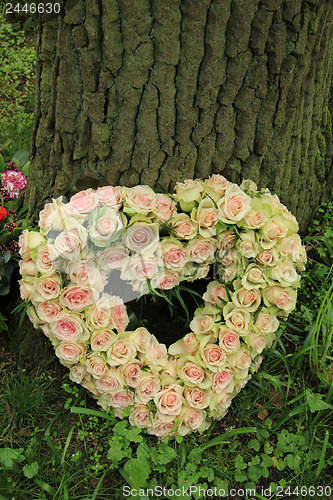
(154, 91)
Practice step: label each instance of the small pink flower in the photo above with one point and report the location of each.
(14, 182)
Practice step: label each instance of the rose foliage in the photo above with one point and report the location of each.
(155, 241)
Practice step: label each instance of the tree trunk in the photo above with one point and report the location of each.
(153, 92)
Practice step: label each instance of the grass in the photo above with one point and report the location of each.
(277, 437)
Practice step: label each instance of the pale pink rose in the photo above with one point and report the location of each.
(222, 403)
(234, 205)
(266, 322)
(216, 294)
(165, 207)
(169, 400)
(292, 246)
(132, 373)
(188, 192)
(111, 381)
(120, 353)
(141, 267)
(253, 278)
(222, 380)
(140, 199)
(207, 217)
(119, 317)
(161, 429)
(202, 323)
(69, 326)
(285, 273)
(175, 256)
(70, 352)
(148, 386)
(241, 359)
(53, 216)
(46, 288)
(96, 365)
(215, 186)
(82, 203)
(99, 314)
(213, 355)
(25, 289)
(101, 340)
(28, 269)
(236, 318)
(249, 300)
(78, 297)
(46, 259)
(226, 240)
(23, 243)
(254, 219)
(140, 339)
(169, 373)
(83, 272)
(228, 340)
(187, 345)
(156, 354)
(267, 257)
(77, 373)
(256, 341)
(69, 243)
(106, 223)
(193, 419)
(192, 373)
(229, 258)
(273, 229)
(116, 257)
(202, 250)
(142, 237)
(48, 311)
(110, 195)
(140, 416)
(166, 281)
(196, 398)
(283, 298)
(120, 399)
(247, 245)
(184, 227)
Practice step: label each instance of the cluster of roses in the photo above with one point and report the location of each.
(157, 241)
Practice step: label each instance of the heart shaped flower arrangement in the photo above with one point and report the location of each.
(154, 242)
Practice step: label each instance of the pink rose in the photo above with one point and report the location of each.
(140, 338)
(241, 359)
(110, 195)
(213, 355)
(69, 243)
(96, 365)
(202, 323)
(25, 289)
(140, 416)
(222, 380)
(141, 268)
(228, 340)
(28, 269)
(99, 314)
(184, 227)
(69, 326)
(161, 429)
(256, 341)
(216, 294)
(254, 219)
(253, 278)
(48, 311)
(105, 224)
(175, 256)
(226, 240)
(111, 381)
(249, 300)
(202, 250)
(77, 373)
(191, 373)
(46, 288)
(165, 207)
(196, 398)
(169, 400)
(187, 345)
(156, 354)
(120, 353)
(234, 205)
(266, 322)
(207, 217)
(283, 298)
(267, 257)
(119, 317)
(82, 203)
(47, 256)
(101, 340)
(142, 237)
(166, 281)
(70, 352)
(236, 318)
(120, 399)
(148, 386)
(132, 373)
(116, 257)
(83, 272)
(140, 199)
(215, 186)
(193, 419)
(292, 246)
(78, 297)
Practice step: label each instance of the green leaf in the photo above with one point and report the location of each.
(9, 455)
(227, 435)
(117, 452)
(20, 157)
(30, 470)
(2, 164)
(136, 472)
(254, 444)
(315, 402)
